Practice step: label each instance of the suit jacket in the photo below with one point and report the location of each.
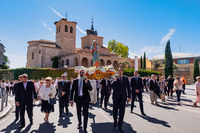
(23, 95)
(74, 92)
(15, 87)
(170, 83)
(105, 88)
(121, 88)
(64, 88)
(136, 84)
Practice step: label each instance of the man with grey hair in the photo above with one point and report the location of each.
(24, 99)
(153, 88)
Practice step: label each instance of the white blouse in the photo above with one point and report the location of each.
(44, 92)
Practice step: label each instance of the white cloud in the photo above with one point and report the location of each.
(60, 15)
(168, 36)
(80, 29)
(133, 54)
(48, 28)
(57, 13)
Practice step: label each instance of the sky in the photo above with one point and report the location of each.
(142, 25)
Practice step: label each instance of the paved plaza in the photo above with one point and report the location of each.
(166, 118)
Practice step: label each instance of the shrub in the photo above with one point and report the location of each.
(129, 72)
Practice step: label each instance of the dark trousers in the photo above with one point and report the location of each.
(119, 105)
(139, 95)
(82, 106)
(17, 112)
(178, 93)
(63, 103)
(104, 96)
(170, 90)
(97, 94)
(29, 109)
(183, 88)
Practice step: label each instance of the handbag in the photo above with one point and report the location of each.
(52, 101)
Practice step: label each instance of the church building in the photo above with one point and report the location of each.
(40, 53)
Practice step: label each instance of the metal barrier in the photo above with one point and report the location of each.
(4, 99)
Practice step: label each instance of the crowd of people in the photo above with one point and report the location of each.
(69, 91)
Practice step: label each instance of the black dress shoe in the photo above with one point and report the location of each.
(22, 126)
(16, 119)
(131, 111)
(85, 130)
(120, 129)
(143, 114)
(115, 124)
(31, 122)
(79, 126)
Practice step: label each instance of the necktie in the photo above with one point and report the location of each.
(80, 87)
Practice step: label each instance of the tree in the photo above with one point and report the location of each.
(118, 48)
(4, 61)
(168, 62)
(196, 69)
(144, 61)
(141, 62)
(55, 62)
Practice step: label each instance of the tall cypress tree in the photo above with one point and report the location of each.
(144, 61)
(168, 62)
(141, 62)
(196, 69)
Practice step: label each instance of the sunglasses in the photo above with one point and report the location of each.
(25, 77)
(82, 72)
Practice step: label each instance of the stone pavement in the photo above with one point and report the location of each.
(166, 118)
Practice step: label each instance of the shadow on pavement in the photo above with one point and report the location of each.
(108, 128)
(12, 126)
(154, 120)
(92, 116)
(65, 121)
(45, 128)
(166, 107)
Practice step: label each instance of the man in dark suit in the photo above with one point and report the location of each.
(81, 96)
(63, 94)
(170, 85)
(24, 99)
(17, 111)
(121, 90)
(105, 92)
(137, 87)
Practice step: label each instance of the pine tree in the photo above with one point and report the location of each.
(144, 61)
(196, 69)
(141, 62)
(168, 62)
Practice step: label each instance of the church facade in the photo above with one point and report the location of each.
(40, 53)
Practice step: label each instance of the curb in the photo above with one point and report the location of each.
(6, 112)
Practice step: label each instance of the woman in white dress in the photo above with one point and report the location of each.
(46, 92)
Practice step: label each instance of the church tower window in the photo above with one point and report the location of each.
(71, 29)
(67, 62)
(66, 28)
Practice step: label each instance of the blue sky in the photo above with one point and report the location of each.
(143, 25)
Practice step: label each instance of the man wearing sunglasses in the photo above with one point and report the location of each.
(81, 96)
(24, 99)
(63, 94)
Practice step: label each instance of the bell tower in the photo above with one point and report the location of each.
(87, 40)
(66, 36)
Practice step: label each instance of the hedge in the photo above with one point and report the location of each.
(38, 73)
(130, 72)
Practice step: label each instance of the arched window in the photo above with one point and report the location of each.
(62, 62)
(32, 55)
(67, 62)
(39, 51)
(66, 28)
(71, 29)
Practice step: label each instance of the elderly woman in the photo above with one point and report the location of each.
(178, 88)
(46, 92)
(197, 89)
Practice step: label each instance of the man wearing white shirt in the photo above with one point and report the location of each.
(81, 96)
